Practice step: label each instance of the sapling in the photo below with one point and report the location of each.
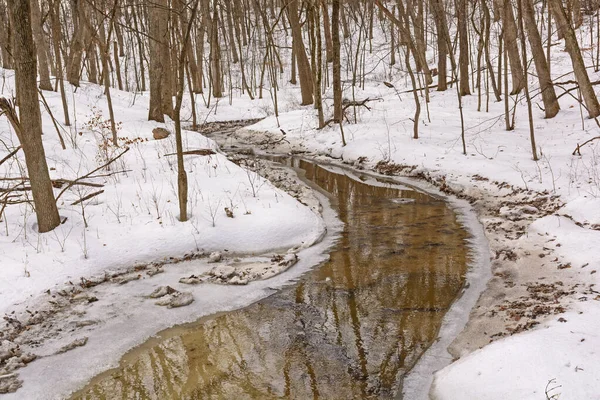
(62, 240)
(213, 210)
(117, 208)
(83, 244)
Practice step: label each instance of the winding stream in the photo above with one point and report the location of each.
(350, 328)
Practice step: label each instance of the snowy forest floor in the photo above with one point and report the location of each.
(122, 259)
(542, 220)
(532, 332)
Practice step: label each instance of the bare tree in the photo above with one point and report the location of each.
(551, 106)
(572, 47)
(304, 72)
(27, 126)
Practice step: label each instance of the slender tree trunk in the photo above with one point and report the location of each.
(509, 34)
(76, 47)
(56, 37)
(439, 16)
(36, 25)
(104, 45)
(486, 49)
(337, 70)
(327, 32)
(215, 56)
(419, 40)
(157, 29)
(551, 105)
(5, 38)
(526, 86)
(304, 72)
(117, 65)
(230, 31)
(140, 49)
(182, 184)
(463, 47)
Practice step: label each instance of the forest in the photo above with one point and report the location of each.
(147, 137)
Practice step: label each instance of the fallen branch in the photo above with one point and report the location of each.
(110, 174)
(348, 104)
(573, 82)
(577, 151)
(359, 103)
(269, 143)
(58, 183)
(89, 196)
(72, 183)
(199, 152)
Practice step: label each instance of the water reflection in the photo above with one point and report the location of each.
(349, 329)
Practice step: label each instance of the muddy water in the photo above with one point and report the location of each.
(350, 329)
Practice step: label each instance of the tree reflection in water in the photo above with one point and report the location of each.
(349, 329)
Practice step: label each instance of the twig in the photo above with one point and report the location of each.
(90, 173)
(62, 141)
(577, 151)
(89, 196)
(12, 153)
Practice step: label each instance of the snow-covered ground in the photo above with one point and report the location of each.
(135, 220)
(126, 234)
(541, 306)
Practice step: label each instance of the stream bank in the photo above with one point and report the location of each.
(530, 281)
(350, 328)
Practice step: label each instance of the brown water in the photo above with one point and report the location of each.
(349, 329)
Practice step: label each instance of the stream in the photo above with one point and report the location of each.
(351, 328)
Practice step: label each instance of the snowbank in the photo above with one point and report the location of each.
(135, 221)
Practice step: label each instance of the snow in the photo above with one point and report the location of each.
(135, 220)
(384, 134)
(560, 355)
(125, 317)
(565, 350)
(141, 204)
(135, 223)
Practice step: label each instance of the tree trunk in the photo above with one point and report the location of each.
(182, 183)
(327, 32)
(572, 47)
(439, 17)
(77, 44)
(5, 38)
(36, 21)
(551, 105)
(215, 56)
(337, 70)
(509, 33)
(29, 111)
(304, 72)
(463, 47)
(56, 37)
(157, 29)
